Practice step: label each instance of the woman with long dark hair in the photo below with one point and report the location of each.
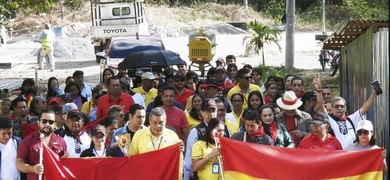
(255, 100)
(205, 151)
(237, 99)
(53, 88)
(232, 73)
(194, 116)
(75, 93)
(98, 137)
(271, 89)
(276, 131)
(110, 126)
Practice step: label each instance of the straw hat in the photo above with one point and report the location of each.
(289, 101)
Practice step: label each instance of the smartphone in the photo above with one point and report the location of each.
(377, 88)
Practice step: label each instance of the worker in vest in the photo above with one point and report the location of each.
(47, 40)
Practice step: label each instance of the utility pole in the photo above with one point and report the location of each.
(323, 17)
(245, 3)
(290, 33)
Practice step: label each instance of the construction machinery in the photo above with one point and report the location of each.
(202, 48)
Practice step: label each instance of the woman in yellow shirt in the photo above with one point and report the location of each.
(205, 153)
(193, 116)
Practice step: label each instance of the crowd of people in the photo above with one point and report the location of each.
(125, 117)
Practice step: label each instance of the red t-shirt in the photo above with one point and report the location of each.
(29, 149)
(312, 142)
(183, 98)
(266, 100)
(125, 100)
(290, 123)
(176, 120)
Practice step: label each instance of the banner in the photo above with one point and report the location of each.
(253, 161)
(160, 164)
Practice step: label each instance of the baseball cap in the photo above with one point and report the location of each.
(69, 107)
(209, 82)
(221, 60)
(365, 124)
(208, 103)
(66, 96)
(148, 75)
(309, 95)
(220, 69)
(179, 76)
(72, 114)
(55, 100)
(319, 118)
(98, 129)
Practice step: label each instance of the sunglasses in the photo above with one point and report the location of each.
(361, 132)
(45, 121)
(339, 106)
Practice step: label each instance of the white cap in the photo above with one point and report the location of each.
(365, 124)
(148, 75)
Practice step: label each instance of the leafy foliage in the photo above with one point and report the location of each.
(261, 35)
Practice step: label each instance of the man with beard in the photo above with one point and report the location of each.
(181, 93)
(114, 97)
(27, 159)
(137, 116)
(77, 140)
(176, 119)
(20, 109)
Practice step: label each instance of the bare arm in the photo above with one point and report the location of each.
(367, 105)
(21, 165)
(320, 99)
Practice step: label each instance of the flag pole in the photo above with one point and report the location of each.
(41, 155)
(219, 159)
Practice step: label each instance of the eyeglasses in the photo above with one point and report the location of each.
(361, 132)
(45, 121)
(222, 110)
(339, 106)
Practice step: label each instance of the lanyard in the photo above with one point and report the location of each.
(151, 139)
(97, 154)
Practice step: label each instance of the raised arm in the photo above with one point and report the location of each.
(367, 105)
(318, 88)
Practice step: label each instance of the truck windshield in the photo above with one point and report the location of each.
(122, 49)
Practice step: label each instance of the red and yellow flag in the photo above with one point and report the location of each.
(252, 161)
(156, 165)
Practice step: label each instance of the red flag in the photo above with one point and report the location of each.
(160, 164)
(27, 129)
(53, 167)
(253, 161)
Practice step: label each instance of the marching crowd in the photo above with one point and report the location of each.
(124, 117)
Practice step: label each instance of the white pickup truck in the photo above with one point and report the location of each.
(113, 18)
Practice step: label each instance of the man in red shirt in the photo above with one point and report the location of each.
(114, 97)
(181, 93)
(27, 159)
(320, 139)
(176, 119)
(220, 76)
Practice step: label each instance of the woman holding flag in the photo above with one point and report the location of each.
(205, 152)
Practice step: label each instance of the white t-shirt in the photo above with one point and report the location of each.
(8, 157)
(350, 136)
(70, 144)
(138, 99)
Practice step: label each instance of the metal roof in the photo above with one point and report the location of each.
(350, 30)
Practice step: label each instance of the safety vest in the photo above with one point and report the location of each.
(48, 39)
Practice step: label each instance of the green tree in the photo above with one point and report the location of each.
(261, 35)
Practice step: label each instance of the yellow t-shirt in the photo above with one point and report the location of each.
(192, 122)
(148, 96)
(87, 107)
(236, 89)
(232, 127)
(144, 141)
(200, 151)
